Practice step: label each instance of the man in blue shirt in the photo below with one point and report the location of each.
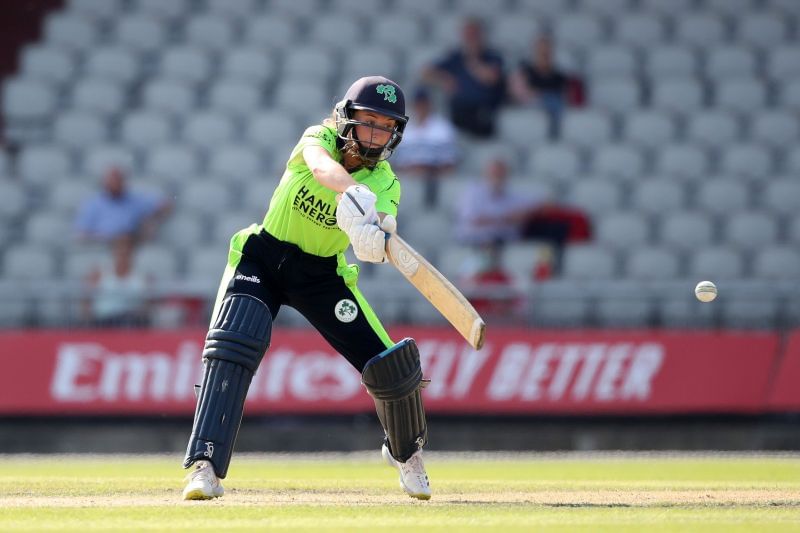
(472, 76)
(116, 211)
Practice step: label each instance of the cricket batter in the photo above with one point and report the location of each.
(338, 189)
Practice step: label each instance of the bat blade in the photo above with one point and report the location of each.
(442, 294)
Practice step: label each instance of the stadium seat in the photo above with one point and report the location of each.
(367, 61)
(117, 64)
(702, 30)
(236, 161)
(184, 230)
(666, 8)
(27, 101)
(622, 230)
(720, 196)
(77, 129)
(160, 10)
(140, 33)
(233, 9)
(514, 34)
(658, 195)
(29, 262)
(522, 128)
(588, 262)
(789, 94)
(69, 31)
(764, 30)
(746, 95)
(579, 30)
(296, 7)
(629, 307)
(96, 10)
(248, 64)
(781, 263)
(782, 62)
(730, 62)
(172, 162)
(208, 32)
(168, 96)
(187, 64)
(713, 128)
(48, 64)
(156, 260)
(98, 159)
(270, 32)
(270, 126)
(751, 230)
(47, 229)
(638, 30)
(145, 129)
(671, 61)
(208, 129)
(327, 32)
(595, 196)
(729, 7)
(101, 96)
(775, 129)
(225, 225)
(299, 97)
(651, 264)
(686, 230)
(204, 196)
(42, 164)
(236, 98)
(554, 161)
(15, 200)
(619, 162)
(684, 161)
(678, 95)
(615, 94)
(717, 263)
(67, 196)
(749, 313)
(612, 61)
(586, 128)
(309, 63)
(603, 7)
(649, 129)
(748, 161)
(782, 196)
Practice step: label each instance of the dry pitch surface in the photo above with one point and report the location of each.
(350, 492)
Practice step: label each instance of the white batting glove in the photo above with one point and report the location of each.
(356, 207)
(369, 243)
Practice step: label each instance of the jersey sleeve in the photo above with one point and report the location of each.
(389, 192)
(315, 136)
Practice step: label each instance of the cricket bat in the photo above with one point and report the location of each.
(437, 289)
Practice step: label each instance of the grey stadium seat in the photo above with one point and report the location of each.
(169, 96)
(717, 263)
(619, 162)
(666, 8)
(208, 130)
(233, 9)
(26, 100)
(578, 30)
(774, 128)
(327, 32)
(165, 11)
(66, 196)
(701, 29)
(159, 261)
(789, 94)
(237, 98)
(678, 95)
(777, 263)
(96, 9)
(554, 161)
(782, 196)
(613, 60)
(118, 64)
(686, 230)
(225, 225)
(713, 128)
(622, 230)
(366, 62)
(729, 7)
(749, 313)
(172, 161)
(658, 195)
(720, 196)
(751, 230)
(47, 229)
(43, 163)
(208, 32)
(248, 64)
(586, 128)
(29, 262)
(205, 196)
(386, 29)
(47, 63)
(730, 62)
(588, 262)
(764, 30)
(300, 97)
(685, 161)
(184, 230)
(616, 95)
(630, 307)
(783, 63)
(791, 160)
(98, 95)
(296, 7)
(271, 126)
(513, 33)
(145, 129)
(746, 95)
(70, 32)
(639, 30)
(595, 196)
(237, 161)
(189, 64)
(651, 264)
(671, 61)
(15, 200)
(749, 161)
(141, 33)
(99, 158)
(270, 32)
(560, 303)
(523, 128)
(649, 129)
(77, 129)
(309, 63)
(603, 7)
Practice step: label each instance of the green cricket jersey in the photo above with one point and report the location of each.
(303, 212)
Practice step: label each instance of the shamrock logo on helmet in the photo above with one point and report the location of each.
(388, 93)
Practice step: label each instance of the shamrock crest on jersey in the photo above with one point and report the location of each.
(346, 311)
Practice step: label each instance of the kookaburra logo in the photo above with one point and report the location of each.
(209, 450)
(346, 310)
(388, 92)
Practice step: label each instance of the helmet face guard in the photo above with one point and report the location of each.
(369, 152)
(378, 95)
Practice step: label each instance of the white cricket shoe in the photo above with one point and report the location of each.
(413, 477)
(203, 483)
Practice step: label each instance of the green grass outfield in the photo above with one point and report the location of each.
(350, 492)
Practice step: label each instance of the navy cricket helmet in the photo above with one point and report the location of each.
(377, 94)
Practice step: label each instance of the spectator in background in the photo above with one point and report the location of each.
(472, 77)
(116, 211)
(118, 292)
(429, 150)
(538, 82)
